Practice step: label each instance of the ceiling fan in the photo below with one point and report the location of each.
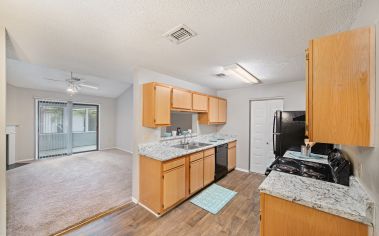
(74, 84)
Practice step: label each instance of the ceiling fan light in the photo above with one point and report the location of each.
(241, 73)
(71, 89)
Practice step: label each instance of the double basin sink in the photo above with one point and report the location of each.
(190, 146)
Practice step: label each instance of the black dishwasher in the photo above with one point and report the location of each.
(221, 168)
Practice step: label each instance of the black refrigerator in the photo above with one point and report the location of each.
(288, 133)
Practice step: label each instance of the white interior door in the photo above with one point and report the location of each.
(262, 115)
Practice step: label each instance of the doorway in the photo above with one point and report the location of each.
(64, 128)
(261, 124)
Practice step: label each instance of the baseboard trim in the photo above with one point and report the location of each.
(108, 148)
(149, 210)
(124, 150)
(91, 219)
(134, 200)
(20, 161)
(243, 170)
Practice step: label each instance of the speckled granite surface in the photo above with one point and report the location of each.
(349, 202)
(163, 151)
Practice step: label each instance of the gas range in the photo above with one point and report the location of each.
(337, 170)
(302, 168)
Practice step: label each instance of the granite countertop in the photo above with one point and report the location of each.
(163, 151)
(349, 202)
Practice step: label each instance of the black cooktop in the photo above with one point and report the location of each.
(302, 168)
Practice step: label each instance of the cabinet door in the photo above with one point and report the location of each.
(199, 102)
(286, 218)
(343, 88)
(232, 158)
(181, 99)
(173, 186)
(162, 105)
(196, 175)
(221, 110)
(209, 169)
(213, 110)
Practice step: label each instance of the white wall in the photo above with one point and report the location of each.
(238, 110)
(20, 111)
(366, 160)
(143, 134)
(2, 130)
(124, 121)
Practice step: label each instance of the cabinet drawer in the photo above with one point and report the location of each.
(232, 144)
(209, 152)
(196, 156)
(173, 164)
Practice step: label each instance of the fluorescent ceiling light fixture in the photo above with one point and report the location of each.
(241, 73)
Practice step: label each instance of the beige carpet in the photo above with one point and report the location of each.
(49, 195)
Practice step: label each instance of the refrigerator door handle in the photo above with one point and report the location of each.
(274, 134)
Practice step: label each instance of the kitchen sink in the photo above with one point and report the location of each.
(190, 146)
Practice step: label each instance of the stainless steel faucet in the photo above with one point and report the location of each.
(185, 140)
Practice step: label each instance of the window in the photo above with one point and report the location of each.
(51, 120)
(78, 120)
(92, 119)
(84, 120)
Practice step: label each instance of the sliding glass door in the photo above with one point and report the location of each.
(65, 128)
(84, 127)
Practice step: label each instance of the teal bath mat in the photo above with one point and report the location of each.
(213, 198)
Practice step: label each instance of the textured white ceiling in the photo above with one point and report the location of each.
(108, 38)
(26, 75)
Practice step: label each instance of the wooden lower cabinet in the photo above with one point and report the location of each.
(285, 218)
(196, 175)
(173, 186)
(232, 155)
(165, 184)
(209, 169)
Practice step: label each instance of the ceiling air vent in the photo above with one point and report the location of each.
(180, 34)
(220, 75)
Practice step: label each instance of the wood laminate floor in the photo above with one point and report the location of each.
(239, 217)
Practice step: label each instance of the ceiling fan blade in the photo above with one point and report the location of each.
(55, 80)
(89, 86)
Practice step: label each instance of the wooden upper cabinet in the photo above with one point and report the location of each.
(181, 99)
(217, 108)
(213, 110)
(160, 99)
(222, 110)
(341, 88)
(199, 102)
(156, 105)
